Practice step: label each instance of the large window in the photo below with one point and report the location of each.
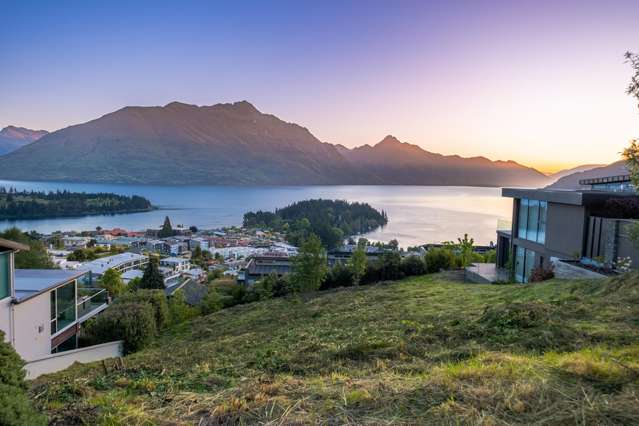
(524, 263)
(5, 289)
(532, 220)
(63, 307)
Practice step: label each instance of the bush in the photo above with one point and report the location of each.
(539, 273)
(132, 322)
(338, 276)
(413, 265)
(155, 298)
(179, 310)
(15, 407)
(11, 372)
(271, 286)
(212, 302)
(438, 259)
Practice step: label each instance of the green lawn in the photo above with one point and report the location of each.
(425, 350)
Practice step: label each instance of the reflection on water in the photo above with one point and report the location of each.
(417, 214)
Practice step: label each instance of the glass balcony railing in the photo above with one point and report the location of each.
(90, 299)
(504, 225)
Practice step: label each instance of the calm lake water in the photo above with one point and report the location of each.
(417, 214)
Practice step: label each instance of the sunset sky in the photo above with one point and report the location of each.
(541, 83)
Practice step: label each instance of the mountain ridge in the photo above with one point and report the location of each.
(14, 137)
(236, 144)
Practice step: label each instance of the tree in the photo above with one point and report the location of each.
(212, 302)
(631, 154)
(309, 266)
(112, 282)
(167, 229)
(465, 248)
(358, 264)
(179, 310)
(152, 277)
(34, 258)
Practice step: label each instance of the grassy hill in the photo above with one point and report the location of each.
(425, 350)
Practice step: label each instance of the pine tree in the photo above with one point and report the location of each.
(152, 277)
(309, 266)
(167, 229)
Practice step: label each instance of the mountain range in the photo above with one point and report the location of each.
(571, 181)
(235, 144)
(12, 138)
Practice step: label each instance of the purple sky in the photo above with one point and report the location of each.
(538, 82)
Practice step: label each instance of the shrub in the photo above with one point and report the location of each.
(179, 310)
(413, 265)
(155, 298)
(212, 302)
(438, 259)
(338, 276)
(230, 292)
(539, 273)
(11, 372)
(132, 322)
(16, 408)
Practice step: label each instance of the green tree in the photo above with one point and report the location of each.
(152, 277)
(34, 258)
(309, 266)
(167, 229)
(112, 282)
(631, 154)
(358, 264)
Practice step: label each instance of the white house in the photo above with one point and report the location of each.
(41, 310)
(178, 264)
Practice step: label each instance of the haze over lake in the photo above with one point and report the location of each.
(417, 214)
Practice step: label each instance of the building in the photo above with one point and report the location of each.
(261, 266)
(202, 243)
(550, 225)
(120, 262)
(620, 183)
(74, 243)
(42, 310)
(177, 264)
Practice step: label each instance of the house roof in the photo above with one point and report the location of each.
(32, 282)
(572, 197)
(12, 245)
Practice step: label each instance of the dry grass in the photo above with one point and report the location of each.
(420, 351)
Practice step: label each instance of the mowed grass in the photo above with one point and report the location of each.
(425, 350)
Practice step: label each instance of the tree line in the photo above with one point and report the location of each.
(330, 220)
(40, 204)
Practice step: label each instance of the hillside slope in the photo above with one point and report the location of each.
(12, 138)
(425, 350)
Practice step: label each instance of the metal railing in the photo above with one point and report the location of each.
(90, 300)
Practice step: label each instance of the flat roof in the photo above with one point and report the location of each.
(605, 179)
(577, 197)
(174, 259)
(12, 245)
(99, 266)
(31, 282)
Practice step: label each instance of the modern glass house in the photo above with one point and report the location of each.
(42, 310)
(560, 224)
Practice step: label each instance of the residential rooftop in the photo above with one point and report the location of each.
(31, 282)
(99, 266)
(577, 197)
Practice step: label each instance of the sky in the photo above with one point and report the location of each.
(539, 82)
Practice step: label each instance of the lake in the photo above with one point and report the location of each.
(417, 214)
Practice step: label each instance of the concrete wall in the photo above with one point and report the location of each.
(32, 325)
(567, 271)
(565, 225)
(62, 360)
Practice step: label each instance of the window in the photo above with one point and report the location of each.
(524, 263)
(532, 220)
(63, 306)
(5, 288)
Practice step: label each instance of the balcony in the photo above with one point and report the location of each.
(91, 301)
